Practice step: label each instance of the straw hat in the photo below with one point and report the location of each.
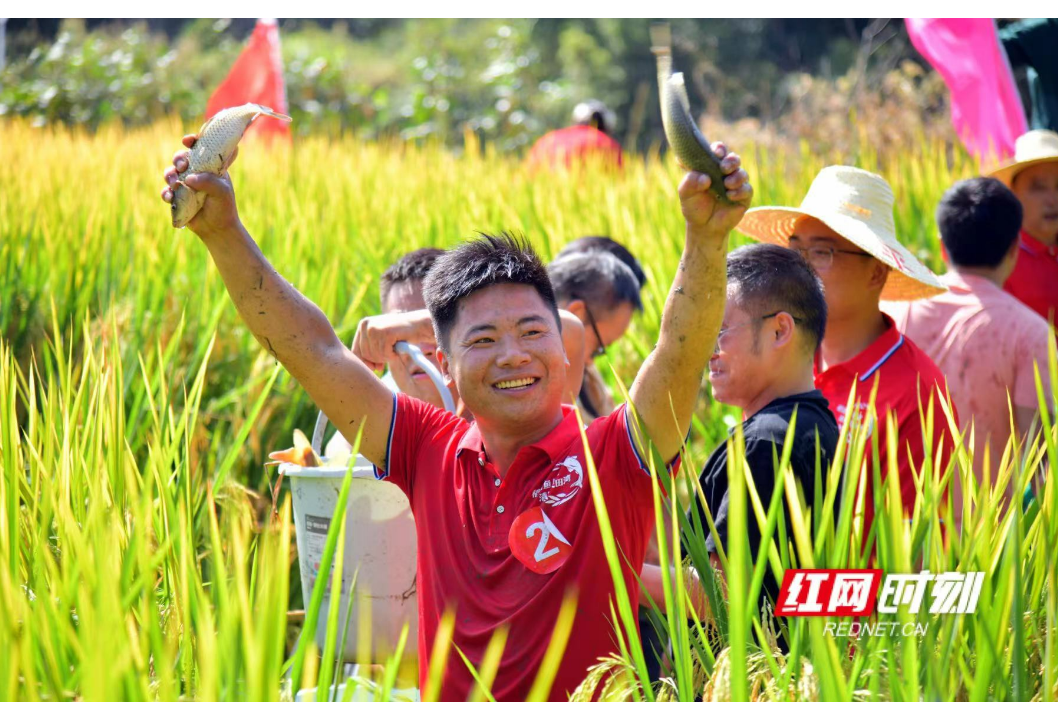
(1032, 148)
(858, 205)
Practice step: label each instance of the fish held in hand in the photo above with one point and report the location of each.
(212, 153)
(682, 132)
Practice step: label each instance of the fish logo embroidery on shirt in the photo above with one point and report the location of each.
(565, 480)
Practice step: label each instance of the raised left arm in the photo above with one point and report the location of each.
(666, 389)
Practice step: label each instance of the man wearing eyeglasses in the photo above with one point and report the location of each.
(603, 293)
(844, 228)
(774, 321)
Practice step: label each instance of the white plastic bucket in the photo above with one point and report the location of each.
(379, 552)
(379, 544)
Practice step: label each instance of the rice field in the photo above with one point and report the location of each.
(147, 554)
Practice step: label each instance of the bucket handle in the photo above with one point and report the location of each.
(424, 364)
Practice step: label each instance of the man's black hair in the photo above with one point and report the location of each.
(600, 243)
(979, 220)
(413, 266)
(598, 279)
(479, 263)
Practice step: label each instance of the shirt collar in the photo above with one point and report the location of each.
(804, 397)
(964, 283)
(1034, 247)
(554, 443)
(868, 362)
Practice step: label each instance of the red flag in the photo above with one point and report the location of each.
(256, 76)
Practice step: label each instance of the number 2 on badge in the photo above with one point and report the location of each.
(530, 534)
(545, 534)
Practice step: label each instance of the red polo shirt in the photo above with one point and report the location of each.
(504, 550)
(1035, 277)
(570, 144)
(899, 368)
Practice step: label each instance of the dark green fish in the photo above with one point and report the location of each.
(684, 136)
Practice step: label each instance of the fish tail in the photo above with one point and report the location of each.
(661, 39)
(262, 110)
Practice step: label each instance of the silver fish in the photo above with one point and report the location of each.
(211, 152)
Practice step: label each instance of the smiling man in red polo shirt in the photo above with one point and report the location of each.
(503, 507)
(844, 228)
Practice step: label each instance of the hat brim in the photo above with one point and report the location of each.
(775, 225)
(1007, 173)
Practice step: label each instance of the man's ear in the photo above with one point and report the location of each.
(577, 307)
(785, 329)
(879, 274)
(442, 361)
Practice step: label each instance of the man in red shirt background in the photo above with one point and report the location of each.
(1033, 176)
(588, 139)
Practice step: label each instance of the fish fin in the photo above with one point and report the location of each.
(205, 126)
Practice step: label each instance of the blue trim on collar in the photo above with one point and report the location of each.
(886, 356)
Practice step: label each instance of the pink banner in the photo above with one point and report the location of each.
(985, 107)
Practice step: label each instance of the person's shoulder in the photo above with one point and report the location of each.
(618, 423)
(1019, 316)
(545, 142)
(816, 410)
(812, 411)
(769, 425)
(425, 414)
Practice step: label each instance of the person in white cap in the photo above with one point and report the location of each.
(1033, 176)
(844, 228)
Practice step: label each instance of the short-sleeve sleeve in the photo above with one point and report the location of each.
(612, 445)
(416, 426)
(1035, 338)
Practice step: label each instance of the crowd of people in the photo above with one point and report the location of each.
(825, 316)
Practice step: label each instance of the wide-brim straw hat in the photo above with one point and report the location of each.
(858, 205)
(1033, 148)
